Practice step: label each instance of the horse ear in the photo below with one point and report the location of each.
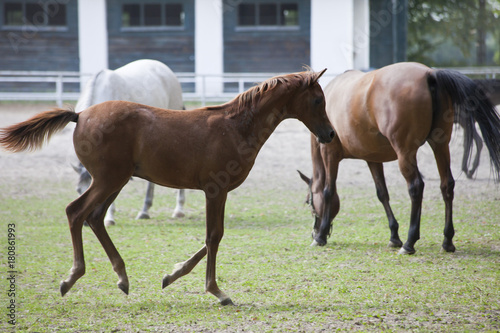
(317, 76)
(305, 178)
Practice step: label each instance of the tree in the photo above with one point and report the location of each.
(437, 29)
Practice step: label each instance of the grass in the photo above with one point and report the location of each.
(265, 264)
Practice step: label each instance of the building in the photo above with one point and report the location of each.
(206, 37)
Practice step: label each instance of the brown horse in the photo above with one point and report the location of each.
(211, 149)
(386, 115)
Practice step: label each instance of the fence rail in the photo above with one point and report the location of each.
(198, 86)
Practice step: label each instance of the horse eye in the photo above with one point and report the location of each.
(318, 100)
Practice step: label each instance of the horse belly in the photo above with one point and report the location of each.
(373, 147)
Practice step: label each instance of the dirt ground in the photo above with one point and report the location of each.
(286, 151)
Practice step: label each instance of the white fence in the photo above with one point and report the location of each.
(198, 85)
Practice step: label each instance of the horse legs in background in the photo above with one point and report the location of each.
(109, 219)
(377, 171)
(148, 202)
(179, 206)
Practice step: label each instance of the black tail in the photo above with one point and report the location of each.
(471, 105)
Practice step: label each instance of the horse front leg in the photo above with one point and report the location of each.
(214, 233)
(329, 204)
(377, 171)
(148, 202)
(179, 207)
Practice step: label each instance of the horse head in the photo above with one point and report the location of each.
(308, 105)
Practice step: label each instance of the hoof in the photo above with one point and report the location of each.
(227, 301)
(142, 216)
(108, 223)
(123, 287)
(165, 282)
(178, 214)
(449, 248)
(318, 243)
(64, 288)
(396, 244)
(405, 251)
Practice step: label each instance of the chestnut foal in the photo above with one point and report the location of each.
(212, 149)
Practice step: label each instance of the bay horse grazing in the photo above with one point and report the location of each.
(212, 149)
(144, 81)
(387, 115)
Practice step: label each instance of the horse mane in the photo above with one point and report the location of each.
(250, 98)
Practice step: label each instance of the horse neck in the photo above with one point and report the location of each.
(257, 121)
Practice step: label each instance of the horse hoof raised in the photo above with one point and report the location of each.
(64, 287)
(227, 301)
(123, 287)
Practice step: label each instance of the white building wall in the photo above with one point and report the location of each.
(209, 46)
(332, 35)
(361, 36)
(92, 37)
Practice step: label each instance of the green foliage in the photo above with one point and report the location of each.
(265, 263)
(448, 32)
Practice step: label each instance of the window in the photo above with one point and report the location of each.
(144, 16)
(41, 15)
(268, 15)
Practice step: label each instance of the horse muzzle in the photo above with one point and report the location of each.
(325, 136)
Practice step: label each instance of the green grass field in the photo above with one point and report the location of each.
(265, 264)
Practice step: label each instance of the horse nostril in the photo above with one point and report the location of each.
(332, 134)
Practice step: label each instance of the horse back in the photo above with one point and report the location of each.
(375, 114)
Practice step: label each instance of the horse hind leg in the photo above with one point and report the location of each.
(96, 223)
(377, 171)
(86, 207)
(409, 170)
(442, 155)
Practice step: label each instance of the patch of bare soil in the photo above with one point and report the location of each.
(286, 151)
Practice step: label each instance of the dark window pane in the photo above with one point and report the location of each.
(13, 13)
(246, 14)
(268, 14)
(56, 14)
(289, 14)
(174, 15)
(35, 14)
(152, 15)
(131, 15)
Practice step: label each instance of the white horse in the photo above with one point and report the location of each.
(144, 81)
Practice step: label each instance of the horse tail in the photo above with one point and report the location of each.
(34, 132)
(471, 105)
